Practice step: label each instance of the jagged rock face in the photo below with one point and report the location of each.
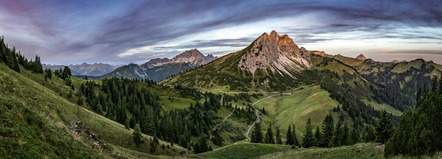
(191, 56)
(361, 57)
(277, 53)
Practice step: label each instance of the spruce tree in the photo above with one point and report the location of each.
(217, 139)
(317, 137)
(384, 129)
(257, 134)
(354, 136)
(269, 139)
(418, 97)
(307, 141)
(137, 135)
(15, 66)
(336, 134)
(294, 136)
(327, 131)
(289, 137)
(278, 136)
(344, 135)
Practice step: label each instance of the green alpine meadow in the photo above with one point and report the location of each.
(206, 79)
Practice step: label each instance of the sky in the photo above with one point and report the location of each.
(122, 32)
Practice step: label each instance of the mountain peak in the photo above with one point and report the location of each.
(274, 52)
(361, 57)
(192, 56)
(274, 34)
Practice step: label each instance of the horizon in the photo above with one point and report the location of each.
(119, 33)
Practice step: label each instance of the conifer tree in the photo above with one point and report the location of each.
(278, 136)
(336, 134)
(289, 137)
(217, 139)
(384, 129)
(354, 136)
(269, 139)
(344, 135)
(317, 140)
(257, 134)
(137, 135)
(294, 136)
(418, 97)
(327, 131)
(308, 136)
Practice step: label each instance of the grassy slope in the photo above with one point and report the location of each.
(244, 150)
(57, 112)
(304, 102)
(385, 107)
(266, 151)
(363, 150)
(404, 66)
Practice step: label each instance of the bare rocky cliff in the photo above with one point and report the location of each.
(276, 53)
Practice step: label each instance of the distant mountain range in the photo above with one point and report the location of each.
(160, 68)
(85, 69)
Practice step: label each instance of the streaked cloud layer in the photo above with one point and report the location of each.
(120, 32)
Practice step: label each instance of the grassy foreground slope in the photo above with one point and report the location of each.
(40, 122)
(267, 151)
(244, 150)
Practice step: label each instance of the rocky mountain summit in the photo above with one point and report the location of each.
(194, 57)
(277, 53)
(361, 57)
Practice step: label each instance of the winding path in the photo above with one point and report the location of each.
(224, 120)
(246, 134)
(250, 126)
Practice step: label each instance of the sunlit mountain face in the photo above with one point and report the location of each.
(122, 32)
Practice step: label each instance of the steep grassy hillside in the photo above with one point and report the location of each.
(295, 108)
(56, 121)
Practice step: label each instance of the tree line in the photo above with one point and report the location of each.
(13, 59)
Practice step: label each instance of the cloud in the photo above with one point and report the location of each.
(124, 32)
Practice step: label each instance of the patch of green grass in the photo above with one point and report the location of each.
(385, 107)
(404, 66)
(363, 150)
(304, 102)
(175, 102)
(243, 150)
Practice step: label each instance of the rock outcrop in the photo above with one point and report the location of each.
(277, 53)
(320, 53)
(361, 57)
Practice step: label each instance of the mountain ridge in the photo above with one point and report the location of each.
(159, 69)
(85, 69)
